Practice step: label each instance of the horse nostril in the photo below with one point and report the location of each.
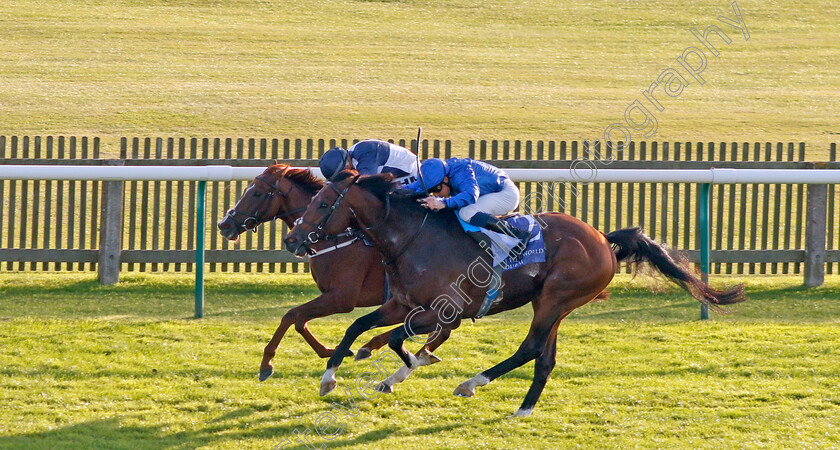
(224, 225)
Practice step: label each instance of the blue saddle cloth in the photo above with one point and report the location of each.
(502, 243)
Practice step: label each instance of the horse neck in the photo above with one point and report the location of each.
(302, 197)
(389, 234)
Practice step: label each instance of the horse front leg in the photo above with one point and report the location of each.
(426, 322)
(326, 304)
(388, 314)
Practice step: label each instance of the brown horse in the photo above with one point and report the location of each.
(436, 282)
(348, 273)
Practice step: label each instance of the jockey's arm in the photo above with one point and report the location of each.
(463, 181)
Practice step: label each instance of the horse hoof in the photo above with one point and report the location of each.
(363, 353)
(265, 373)
(349, 353)
(464, 390)
(327, 387)
(384, 388)
(427, 358)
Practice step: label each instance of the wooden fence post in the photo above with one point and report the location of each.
(110, 229)
(815, 230)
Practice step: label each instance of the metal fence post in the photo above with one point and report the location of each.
(815, 231)
(110, 229)
(199, 249)
(705, 239)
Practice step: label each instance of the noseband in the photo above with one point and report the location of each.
(256, 221)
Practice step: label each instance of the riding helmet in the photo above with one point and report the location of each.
(333, 162)
(433, 170)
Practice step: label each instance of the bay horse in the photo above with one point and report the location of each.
(348, 273)
(428, 254)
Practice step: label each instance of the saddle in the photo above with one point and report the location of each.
(500, 246)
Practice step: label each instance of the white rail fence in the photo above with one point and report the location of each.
(113, 178)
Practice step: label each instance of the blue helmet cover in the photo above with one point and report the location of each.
(433, 170)
(333, 162)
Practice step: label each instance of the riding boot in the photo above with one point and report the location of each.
(524, 236)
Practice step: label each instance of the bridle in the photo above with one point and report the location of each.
(319, 234)
(251, 221)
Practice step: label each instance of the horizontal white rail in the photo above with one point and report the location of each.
(582, 174)
(712, 176)
(124, 173)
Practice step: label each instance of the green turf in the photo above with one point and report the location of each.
(505, 69)
(86, 366)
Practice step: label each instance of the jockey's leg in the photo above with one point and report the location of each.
(523, 236)
(483, 214)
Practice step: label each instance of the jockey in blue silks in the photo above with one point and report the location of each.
(477, 190)
(371, 157)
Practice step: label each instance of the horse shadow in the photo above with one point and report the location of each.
(112, 433)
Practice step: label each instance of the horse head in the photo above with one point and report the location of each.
(277, 193)
(347, 202)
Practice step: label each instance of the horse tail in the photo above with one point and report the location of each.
(631, 245)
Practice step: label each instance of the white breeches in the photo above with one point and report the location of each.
(495, 204)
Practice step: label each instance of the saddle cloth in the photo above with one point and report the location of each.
(501, 244)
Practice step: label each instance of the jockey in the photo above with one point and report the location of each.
(371, 157)
(477, 190)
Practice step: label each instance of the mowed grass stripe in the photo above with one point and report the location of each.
(83, 365)
(356, 69)
(187, 384)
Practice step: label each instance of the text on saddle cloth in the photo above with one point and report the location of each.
(502, 244)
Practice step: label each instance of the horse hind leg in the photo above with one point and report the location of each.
(531, 348)
(425, 357)
(547, 313)
(542, 369)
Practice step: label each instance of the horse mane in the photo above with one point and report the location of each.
(381, 186)
(303, 177)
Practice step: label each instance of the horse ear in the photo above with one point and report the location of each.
(275, 162)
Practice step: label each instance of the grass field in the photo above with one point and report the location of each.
(87, 366)
(513, 69)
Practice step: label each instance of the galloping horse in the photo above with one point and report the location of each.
(348, 273)
(429, 255)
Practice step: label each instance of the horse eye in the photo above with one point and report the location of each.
(324, 205)
(257, 194)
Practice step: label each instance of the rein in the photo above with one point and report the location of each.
(407, 244)
(387, 215)
(318, 233)
(347, 233)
